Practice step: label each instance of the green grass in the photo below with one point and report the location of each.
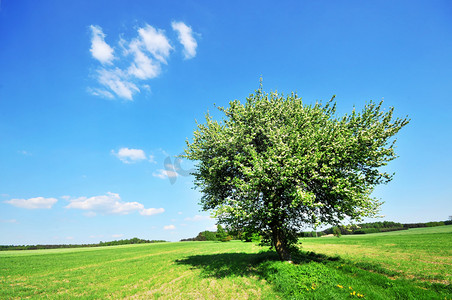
(143, 271)
(237, 270)
(423, 254)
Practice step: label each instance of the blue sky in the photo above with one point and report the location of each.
(97, 97)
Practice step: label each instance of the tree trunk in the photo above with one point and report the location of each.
(280, 243)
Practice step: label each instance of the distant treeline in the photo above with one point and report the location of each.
(219, 235)
(373, 227)
(100, 244)
(363, 228)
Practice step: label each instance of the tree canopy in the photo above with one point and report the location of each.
(275, 164)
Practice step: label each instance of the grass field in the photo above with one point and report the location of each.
(396, 265)
(421, 253)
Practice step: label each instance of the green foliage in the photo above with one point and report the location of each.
(251, 236)
(219, 235)
(385, 226)
(275, 164)
(222, 235)
(434, 224)
(366, 230)
(310, 234)
(337, 231)
(209, 235)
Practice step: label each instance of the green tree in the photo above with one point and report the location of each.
(337, 231)
(222, 234)
(275, 164)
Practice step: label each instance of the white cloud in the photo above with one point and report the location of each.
(99, 48)
(197, 218)
(151, 211)
(169, 227)
(185, 35)
(117, 235)
(163, 174)
(110, 203)
(117, 82)
(143, 67)
(155, 42)
(33, 203)
(128, 156)
(141, 59)
(100, 93)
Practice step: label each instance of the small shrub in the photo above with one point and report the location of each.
(337, 231)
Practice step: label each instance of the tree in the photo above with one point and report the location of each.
(222, 235)
(275, 164)
(337, 231)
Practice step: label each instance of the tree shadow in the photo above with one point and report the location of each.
(228, 264)
(244, 264)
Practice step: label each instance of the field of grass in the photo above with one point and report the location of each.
(423, 254)
(237, 270)
(166, 270)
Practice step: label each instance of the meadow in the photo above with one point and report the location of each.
(413, 264)
(423, 254)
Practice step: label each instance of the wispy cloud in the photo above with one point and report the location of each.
(128, 156)
(99, 48)
(155, 42)
(143, 67)
(110, 203)
(117, 82)
(198, 218)
(33, 203)
(117, 235)
(163, 174)
(8, 221)
(124, 75)
(24, 152)
(169, 227)
(151, 211)
(185, 35)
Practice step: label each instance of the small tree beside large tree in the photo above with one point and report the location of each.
(274, 164)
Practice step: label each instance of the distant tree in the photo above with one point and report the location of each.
(275, 164)
(337, 231)
(209, 235)
(222, 235)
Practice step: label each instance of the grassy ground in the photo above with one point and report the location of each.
(423, 253)
(236, 270)
(166, 270)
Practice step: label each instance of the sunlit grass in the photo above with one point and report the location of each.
(379, 266)
(421, 253)
(143, 271)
